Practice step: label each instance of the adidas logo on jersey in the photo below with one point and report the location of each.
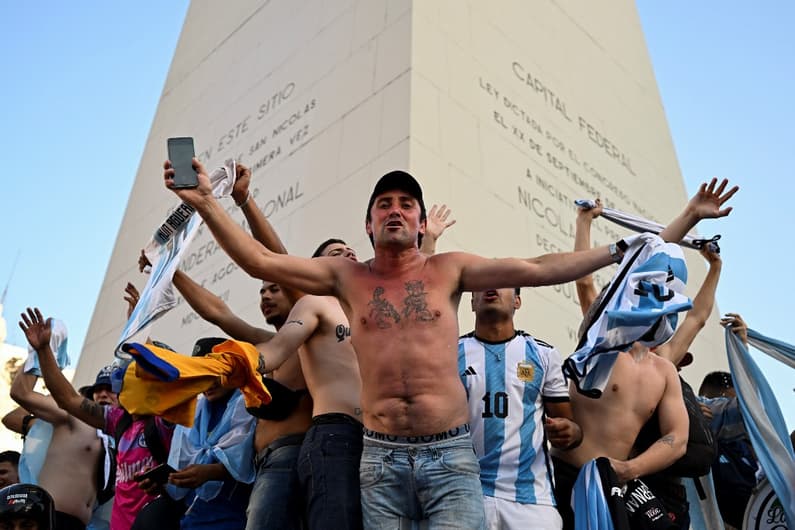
(469, 371)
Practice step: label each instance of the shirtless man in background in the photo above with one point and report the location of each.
(69, 472)
(402, 305)
(640, 384)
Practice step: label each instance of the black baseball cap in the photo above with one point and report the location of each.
(205, 345)
(397, 180)
(103, 378)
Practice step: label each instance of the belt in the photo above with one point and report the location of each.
(335, 418)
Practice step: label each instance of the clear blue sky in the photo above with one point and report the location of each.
(82, 82)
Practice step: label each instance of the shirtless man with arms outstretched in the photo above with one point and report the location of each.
(402, 305)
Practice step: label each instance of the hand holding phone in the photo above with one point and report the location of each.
(181, 153)
(158, 475)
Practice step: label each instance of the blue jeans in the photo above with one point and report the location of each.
(403, 483)
(276, 502)
(328, 468)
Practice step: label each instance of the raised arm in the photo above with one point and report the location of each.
(39, 405)
(705, 204)
(315, 276)
(674, 428)
(675, 349)
(261, 228)
(37, 331)
(436, 224)
(586, 289)
(302, 321)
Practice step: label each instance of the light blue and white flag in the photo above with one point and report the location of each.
(230, 442)
(760, 410)
(640, 224)
(58, 344)
(641, 304)
(164, 252)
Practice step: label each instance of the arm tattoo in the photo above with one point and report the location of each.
(93, 409)
(299, 322)
(667, 439)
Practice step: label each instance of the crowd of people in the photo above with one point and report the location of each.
(382, 414)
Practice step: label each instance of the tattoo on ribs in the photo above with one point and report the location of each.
(93, 408)
(667, 440)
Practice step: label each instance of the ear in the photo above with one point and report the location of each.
(423, 226)
(517, 301)
(368, 227)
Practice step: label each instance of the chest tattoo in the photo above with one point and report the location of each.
(381, 310)
(415, 306)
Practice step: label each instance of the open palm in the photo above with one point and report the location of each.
(37, 330)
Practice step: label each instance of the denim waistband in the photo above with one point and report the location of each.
(335, 418)
(390, 439)
(278, 443)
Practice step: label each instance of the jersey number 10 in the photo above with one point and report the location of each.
(495, 407)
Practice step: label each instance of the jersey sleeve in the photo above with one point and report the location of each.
(555, 388)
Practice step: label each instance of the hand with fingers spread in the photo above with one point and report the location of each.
(437, 221)
(737, 325)
(706, 204)
(131, 297)
(36, 329)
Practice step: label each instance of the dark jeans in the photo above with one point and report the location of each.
(565, 477)
(276, 501)
(328, 468)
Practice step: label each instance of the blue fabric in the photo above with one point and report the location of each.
(276, 502)
(230, 442)
(328, 469)
(58, 344)
(34, 451)
(640, 305)
(588, 500)
(438, 482)
(150, 362)
(763, 418)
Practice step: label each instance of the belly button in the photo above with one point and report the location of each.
(437, 313)
(615, 388)
(363, 321)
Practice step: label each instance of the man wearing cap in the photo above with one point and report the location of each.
(402, 305)
(70, 467)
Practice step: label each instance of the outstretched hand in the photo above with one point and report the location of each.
(437, 221)
(36, 329)
(707, 202)
(193, 196)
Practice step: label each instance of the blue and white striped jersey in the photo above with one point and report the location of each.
(506, 383)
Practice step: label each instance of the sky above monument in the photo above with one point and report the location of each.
(82, 82)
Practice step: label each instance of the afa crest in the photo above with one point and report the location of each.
(525, 371)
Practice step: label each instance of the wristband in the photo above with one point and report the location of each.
(616, 253)
(245, 201)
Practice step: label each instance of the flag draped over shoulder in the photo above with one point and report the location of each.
(640, 304)
(640, 224)
(761, 413)
(164, 252)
